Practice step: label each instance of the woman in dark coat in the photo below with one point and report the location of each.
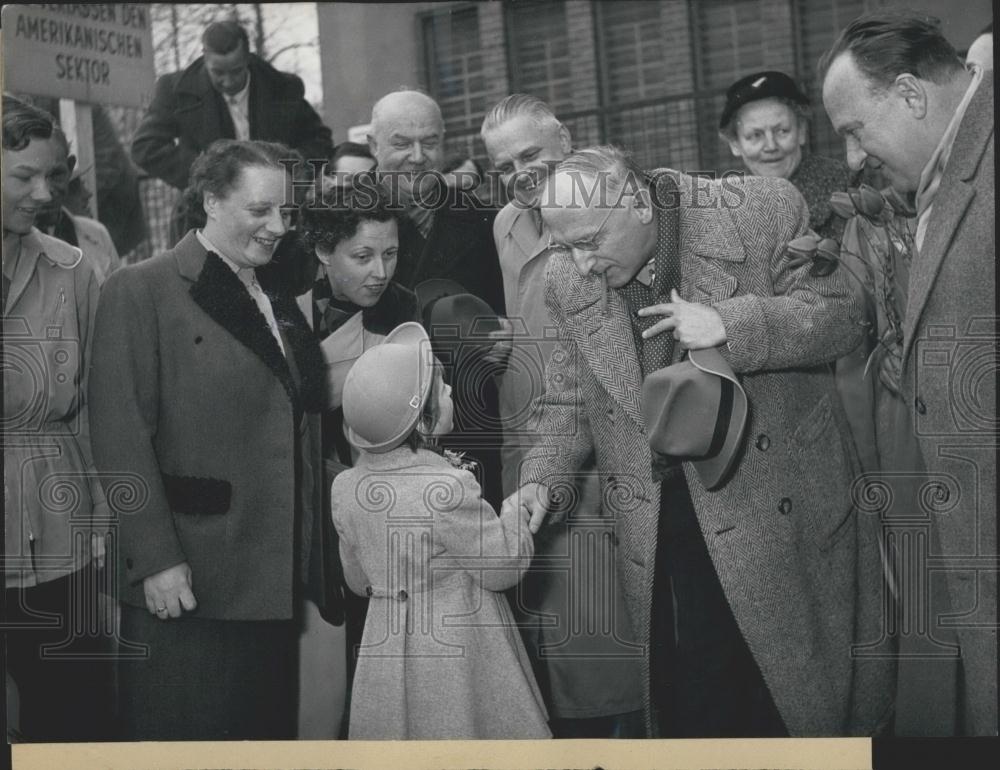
(766, 124)
(201, 392)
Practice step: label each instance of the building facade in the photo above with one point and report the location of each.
(649, 75)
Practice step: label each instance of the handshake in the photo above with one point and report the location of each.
(531, 500)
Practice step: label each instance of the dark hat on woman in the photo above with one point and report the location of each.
(760, 85)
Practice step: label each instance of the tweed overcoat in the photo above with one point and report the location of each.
(799, 567)
(200, 433)
(572, 618)
(440, 657)
(949, 342)
(187, 114)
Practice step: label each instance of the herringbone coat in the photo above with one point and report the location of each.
(949, 378)
(799, 566)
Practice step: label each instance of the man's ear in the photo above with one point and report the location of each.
(372, 144)
(210, 203)
(642, 205)
(565, 140)
(912, 90)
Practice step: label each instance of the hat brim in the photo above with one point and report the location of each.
(409, 333)
(730, 422)
(433, 289)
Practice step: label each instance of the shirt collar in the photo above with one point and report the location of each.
(209, 246)
(240, 97)
(939, 159)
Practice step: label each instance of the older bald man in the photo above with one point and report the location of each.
(446, 233)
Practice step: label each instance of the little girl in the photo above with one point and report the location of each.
(440, 657)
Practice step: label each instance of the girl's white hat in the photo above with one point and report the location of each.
(386, 389)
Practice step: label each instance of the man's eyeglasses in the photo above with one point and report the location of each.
(586, 244)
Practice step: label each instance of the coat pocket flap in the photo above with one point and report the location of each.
(197, 496)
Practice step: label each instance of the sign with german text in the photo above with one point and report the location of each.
(101, 53)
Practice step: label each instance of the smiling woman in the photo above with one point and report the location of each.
(765, 122)
(52, 562)
(204, 389)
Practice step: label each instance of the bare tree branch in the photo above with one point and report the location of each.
(290, 47)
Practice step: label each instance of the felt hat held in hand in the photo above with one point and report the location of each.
(696, 410)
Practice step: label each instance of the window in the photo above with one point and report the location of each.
(645, 57)
(538, 45)
(454, 65)
(821, 22)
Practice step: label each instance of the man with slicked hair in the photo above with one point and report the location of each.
(908, 106)
(586, 663)
(227, 93)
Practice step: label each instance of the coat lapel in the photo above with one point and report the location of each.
(206, 103)
(954, 198)
(217, 291)
(605, 339)
(306, 355)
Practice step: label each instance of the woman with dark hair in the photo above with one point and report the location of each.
(350, 237)
(52, 554)
(355, 303)
(202, 390)
(765, 122)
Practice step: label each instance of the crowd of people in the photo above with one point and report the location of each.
(364, 456)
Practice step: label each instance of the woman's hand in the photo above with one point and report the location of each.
(170, 591)
(695, 326)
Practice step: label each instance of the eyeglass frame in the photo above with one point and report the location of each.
(590, 244)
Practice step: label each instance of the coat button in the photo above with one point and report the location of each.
(763, 442)
(921, 406)
(785, 506)
(403, 596)
(368, 591)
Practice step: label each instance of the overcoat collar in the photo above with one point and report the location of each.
(36, 246)
(605, 339)
(216, 289)
(604, 335)
(973, 139)
(195, 81)
(524, 231)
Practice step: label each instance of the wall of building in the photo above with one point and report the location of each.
(369, 49)
(366, 50)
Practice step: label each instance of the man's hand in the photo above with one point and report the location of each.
(499, 353)
(533, 500)
(169, 591)
(695, 326)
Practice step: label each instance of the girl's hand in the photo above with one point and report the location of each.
(532, 501)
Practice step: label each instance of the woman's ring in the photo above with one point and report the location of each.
(162, 609)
